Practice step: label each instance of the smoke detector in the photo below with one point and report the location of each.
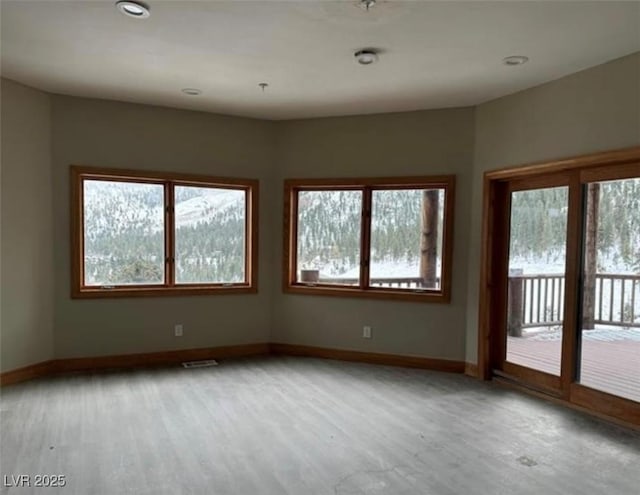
(366, 56)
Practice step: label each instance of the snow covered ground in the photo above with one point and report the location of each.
(602, 333)
(388, 269)
(554, 263)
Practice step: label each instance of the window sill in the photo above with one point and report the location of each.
(430, 296)
(100, 293)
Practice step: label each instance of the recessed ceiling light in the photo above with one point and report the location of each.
(366, 56)
(191, 91)
(137, 10)
(515, 60)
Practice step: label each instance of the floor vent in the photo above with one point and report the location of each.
(200, 364)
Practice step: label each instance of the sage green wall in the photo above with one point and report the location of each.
(27, 228)
(597, 109)
(414, 143)
(594, 110)
(113, 134)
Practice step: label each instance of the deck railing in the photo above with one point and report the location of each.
(538, 300)
(392, 282)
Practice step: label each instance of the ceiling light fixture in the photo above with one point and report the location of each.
(191, 91)
(367, 4)
(137, 10)
(515, 60)
(366, 56)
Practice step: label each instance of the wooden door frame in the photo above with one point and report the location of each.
(614, 164)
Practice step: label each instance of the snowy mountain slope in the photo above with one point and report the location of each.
(203, 208)
(114, 207)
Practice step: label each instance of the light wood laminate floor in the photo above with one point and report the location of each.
(301, 426)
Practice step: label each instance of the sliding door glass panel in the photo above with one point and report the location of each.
(610, 336)
(536, 280)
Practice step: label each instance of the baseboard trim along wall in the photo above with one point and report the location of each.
(173, 357)
(370, 357)
(471, 369)
(27, 373)
(130, 361)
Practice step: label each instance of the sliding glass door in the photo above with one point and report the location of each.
(560, 309)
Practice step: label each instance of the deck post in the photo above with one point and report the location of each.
(515, 306)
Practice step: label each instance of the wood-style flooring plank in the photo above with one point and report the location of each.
(288, 425)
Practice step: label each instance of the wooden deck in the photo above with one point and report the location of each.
(612, 367)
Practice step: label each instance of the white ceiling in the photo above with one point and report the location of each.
(434, 54)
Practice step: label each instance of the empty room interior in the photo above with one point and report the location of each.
(320, 247)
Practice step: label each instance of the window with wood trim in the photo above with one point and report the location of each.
(384, 238)
(138, 233)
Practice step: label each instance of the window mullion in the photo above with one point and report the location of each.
(365, 238)
(169, 234)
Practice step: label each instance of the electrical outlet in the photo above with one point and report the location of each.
(177, 330)
(366, 332)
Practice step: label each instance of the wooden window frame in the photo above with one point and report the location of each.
(78, 174)
(366, 185)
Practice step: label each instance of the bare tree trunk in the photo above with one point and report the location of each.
(429, 239)
(590, 257)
